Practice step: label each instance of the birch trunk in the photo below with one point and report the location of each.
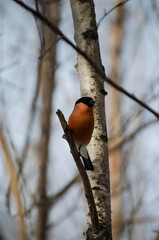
(92, 85)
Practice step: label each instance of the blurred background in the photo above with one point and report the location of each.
(41, 196)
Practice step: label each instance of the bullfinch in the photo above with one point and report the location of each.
(81, 122)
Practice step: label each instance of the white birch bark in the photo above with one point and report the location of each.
(92, 85)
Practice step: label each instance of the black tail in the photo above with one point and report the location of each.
(85, 157)
(87, 163)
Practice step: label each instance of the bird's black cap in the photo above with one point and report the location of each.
(86, 100)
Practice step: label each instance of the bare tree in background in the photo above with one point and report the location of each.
(47, 67)
(116, 156)
(14, 186)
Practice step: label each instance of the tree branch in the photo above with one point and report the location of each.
(112, 9)
(121, 141)
(92, 63)
(55, 197)
(87, 187)
(58, 195)
(14, 186)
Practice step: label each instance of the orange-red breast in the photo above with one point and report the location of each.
(81, 121)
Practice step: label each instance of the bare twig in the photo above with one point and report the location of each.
(29, 127)
(58, 195)
(139, 220)
(112, 9)
(67, 212)
(92, 63)
(14, 185)
(49, 49)
(84, 177)
(37, 5)
(54, 198)
(122, 141)
(132, 117)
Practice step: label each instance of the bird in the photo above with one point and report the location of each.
(81, 122)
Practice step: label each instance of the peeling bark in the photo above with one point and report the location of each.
(92, 85)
